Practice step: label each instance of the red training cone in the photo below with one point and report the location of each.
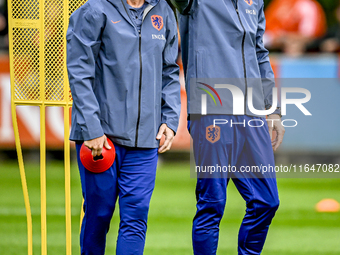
(98, 164)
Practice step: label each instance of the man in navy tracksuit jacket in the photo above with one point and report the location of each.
(222, 44)
(121, 60)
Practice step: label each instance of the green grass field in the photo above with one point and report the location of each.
(296, 229)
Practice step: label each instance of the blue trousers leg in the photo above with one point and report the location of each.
(211, 200)
(260, 211)
(132, 178)
(100, 195)
(210, 189)
(259, 192)
(136, 182)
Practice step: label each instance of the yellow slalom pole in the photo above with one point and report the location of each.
(23, 181)
(82, 214)
(43, 180)
(67, 181)
(17, 139)
(42, 130)
(67, 145)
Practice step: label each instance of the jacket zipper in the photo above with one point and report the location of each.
(140, 84)
(140, 72)
(243, 56)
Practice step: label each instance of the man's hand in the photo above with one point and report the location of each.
(274, 123)
(169, 137)
(96, 145)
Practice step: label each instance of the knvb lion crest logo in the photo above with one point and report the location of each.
(213, 133)
(249, 2)
(157, 22)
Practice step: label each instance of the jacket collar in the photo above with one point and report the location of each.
(121, 6)
(119, 2)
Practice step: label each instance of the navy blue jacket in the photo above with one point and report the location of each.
(124, 82)
(222, 42)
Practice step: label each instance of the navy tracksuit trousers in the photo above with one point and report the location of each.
(132, 179)
(240, 146)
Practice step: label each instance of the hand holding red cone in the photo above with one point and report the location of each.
(100, 163)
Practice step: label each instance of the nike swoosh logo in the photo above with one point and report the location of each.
(115, 22)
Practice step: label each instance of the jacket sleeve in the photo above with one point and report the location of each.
(171, 88)
(83, 44)
(267, 74)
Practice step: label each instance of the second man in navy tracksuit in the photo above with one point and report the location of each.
(226, 64)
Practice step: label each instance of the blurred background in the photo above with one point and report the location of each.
(304, 39)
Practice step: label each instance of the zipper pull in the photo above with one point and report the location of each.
(139, 32)
(237, 11)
